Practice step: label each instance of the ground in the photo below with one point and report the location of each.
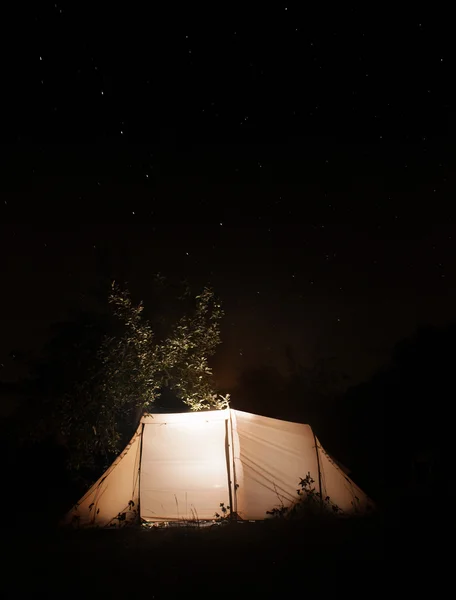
(119, 563)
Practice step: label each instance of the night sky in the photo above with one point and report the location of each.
(301, 163)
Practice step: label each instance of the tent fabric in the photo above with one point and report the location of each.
(273, 456)
(183, 466)
(340, 489)
(115, 493)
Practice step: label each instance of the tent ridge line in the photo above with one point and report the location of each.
(319, 469)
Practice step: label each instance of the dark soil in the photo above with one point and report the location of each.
(172, 561)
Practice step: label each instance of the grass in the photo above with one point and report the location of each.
(165, 562)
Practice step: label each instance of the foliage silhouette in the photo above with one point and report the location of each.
(308, 503)
(100, 374)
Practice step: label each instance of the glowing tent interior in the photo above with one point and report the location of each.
(183, 466)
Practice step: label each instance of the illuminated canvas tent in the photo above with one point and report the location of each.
(180, 467)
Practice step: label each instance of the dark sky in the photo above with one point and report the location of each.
(302, 164)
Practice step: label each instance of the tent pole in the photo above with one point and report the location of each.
(139, 474)
(319, 470)
(227, 452)
(235, 510)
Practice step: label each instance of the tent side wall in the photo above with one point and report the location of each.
(270, 457)
(340, 489)
(115, 493)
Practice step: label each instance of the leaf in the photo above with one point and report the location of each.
(130, 368)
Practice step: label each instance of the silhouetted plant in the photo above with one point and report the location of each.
(309, 502)
(278, 513)
(123, 371)
(225, 512)
(126, 517)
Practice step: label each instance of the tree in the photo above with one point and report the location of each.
(95, 413)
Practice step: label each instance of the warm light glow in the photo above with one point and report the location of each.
(191, 463)
(184, 465)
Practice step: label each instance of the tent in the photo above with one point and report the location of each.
(184, 466)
